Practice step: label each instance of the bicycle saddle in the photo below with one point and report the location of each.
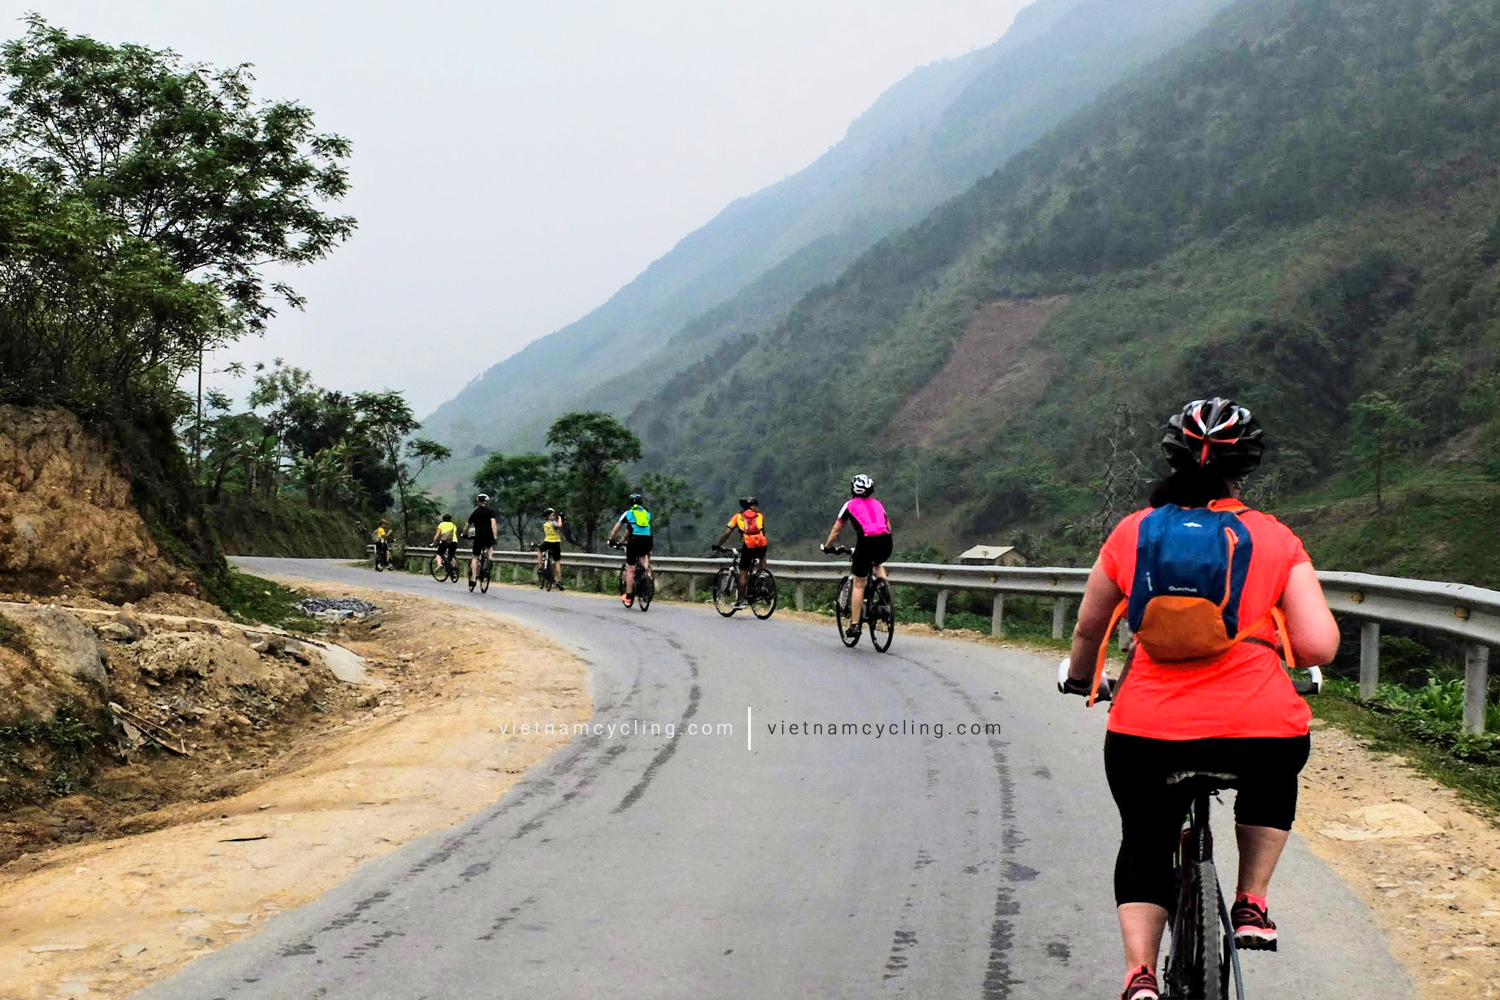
(1209, 780)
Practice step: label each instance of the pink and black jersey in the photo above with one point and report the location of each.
(867, 515)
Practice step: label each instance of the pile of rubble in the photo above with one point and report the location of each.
(336, 609)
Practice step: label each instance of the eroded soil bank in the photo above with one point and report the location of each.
(418, 753)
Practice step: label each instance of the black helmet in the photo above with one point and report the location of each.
(636, 498)
(447, 517)
(748, 501)
(861, 486)
(1214, 432)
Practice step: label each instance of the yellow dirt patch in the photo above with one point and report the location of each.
(117, 915)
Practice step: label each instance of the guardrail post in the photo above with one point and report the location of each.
(1059, 616)
(997, 624)
(1476, 686)
(1369, 660)
(801, 597)
(692, 587)
(942, 609)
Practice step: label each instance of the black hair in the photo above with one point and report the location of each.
(1192, 486)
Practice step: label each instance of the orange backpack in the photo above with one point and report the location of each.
(754, 529)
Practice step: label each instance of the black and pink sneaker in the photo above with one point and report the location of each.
(1253, 929)
(1141, 985)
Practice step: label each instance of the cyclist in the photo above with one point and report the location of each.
(484, 530)
(751, 524)
(552, 523)
(872, 545)
(445, 538)
(637, 522)
(383, 543)
(1235, 712)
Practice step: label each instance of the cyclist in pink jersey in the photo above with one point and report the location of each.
(872, 546)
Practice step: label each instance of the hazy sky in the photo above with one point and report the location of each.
(517, 162)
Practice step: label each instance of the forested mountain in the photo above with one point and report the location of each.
(928, 138)
(1300, 208)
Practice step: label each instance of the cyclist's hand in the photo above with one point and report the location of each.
(824, 548)
(1068, 685)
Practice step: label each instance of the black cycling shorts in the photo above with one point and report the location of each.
(749, 557)
(555, 548)
(446, 549)
(1151, 810)
(637, 546)
(869, 552)
(483, 545)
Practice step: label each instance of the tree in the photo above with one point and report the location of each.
(588, 449)
(181, 154)
(520, 488)
(1381, 429)
(387, 420)
(667, 496)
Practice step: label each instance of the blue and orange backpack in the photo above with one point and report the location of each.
(1190, 570)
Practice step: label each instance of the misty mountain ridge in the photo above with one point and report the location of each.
(926, 139)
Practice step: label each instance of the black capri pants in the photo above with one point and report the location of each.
(1151, 811)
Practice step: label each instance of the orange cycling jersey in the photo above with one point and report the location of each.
(752, 525)
(1242, 692)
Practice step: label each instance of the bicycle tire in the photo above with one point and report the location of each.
(379, 568)
(484, 576)
(644, 591)
(724, 593)
(880, 614)
(1193, 962)
(762, 594)
(841, 614)
(439, 570)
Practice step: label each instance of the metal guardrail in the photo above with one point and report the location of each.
(1471, 614)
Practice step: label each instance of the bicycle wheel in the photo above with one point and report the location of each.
(1194, 962)
(452, 571)
(841, 614)
(724, 592)
(880, 614)
(439, 570)
(645, 589)
(379, 563)
(762, 594)
(547, 567)
(484, 575)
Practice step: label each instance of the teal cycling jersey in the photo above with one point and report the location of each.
(638, 520)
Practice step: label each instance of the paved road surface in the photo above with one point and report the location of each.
(808, 866)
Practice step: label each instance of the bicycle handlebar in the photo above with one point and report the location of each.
(840, 550)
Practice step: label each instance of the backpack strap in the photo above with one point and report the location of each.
(1284, 639)
(1114, 621)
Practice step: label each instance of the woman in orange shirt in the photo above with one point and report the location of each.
(1235, 712)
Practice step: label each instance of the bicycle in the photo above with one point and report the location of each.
(1202, 957)
(444, 568)
(544, 571)
(760, 589)
(485, 566)
(879, 609)
(382, 556)
(645, 587)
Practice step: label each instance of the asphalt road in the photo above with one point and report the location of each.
(768, 864)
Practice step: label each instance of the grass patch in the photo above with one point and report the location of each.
(13, 637)
(1470, 765)
(253, 599)
(48, 759)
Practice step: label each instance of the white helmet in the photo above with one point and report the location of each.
(862, 486)
(483, 498)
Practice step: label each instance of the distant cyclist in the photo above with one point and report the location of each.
(872, 546)
(484, 529)
(383, 543)
(446, 539)
(751, 524)
(1205, 690)
(637, 524)
(552, 523)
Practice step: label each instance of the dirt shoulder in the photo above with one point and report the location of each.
(105, 918)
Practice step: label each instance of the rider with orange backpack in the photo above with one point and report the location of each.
(751, 524)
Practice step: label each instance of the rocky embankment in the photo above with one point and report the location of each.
(68, 522)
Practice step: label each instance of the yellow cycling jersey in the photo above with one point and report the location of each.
(380, 534)
(447, 531)
(550, 533)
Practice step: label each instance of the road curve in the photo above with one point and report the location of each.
(803, 866)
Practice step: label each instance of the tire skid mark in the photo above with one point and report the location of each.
(509, 915)
(663, 755)
(999, 977)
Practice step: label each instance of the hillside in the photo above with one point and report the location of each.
(926, 139)
(1297, 208)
